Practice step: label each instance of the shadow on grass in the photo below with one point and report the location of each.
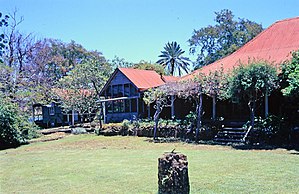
(163, 140)
(13, 146)
(237, 146)
(265, 147)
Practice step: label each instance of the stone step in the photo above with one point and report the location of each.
(233, 132)
(233, 129)
(228, 140)
(234, 124)
(230, 135)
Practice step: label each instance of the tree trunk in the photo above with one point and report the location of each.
(173, 174)
(156, 118)
(198, 124)
(96, 88)
(251, 105)
(156, 126)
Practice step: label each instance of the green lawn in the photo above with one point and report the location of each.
(97, 164)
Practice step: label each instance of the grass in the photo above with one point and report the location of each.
(97, 164)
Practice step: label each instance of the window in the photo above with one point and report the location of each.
(108, 91)
(121, 106)
(118, 106)
(127, 90)
(127, 105)
(133, 91)
(109, 107)
(115, 106)
(120, 91)
(52, 110)
(114, 91)
(134, 105)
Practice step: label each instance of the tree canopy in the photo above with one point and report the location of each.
(150, 66)
(3, 41)
(215, 42)
(172, 59)
(252, 82)
(80, 89)
(290, 72)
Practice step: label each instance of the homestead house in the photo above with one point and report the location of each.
(274, 45)
(122, 94)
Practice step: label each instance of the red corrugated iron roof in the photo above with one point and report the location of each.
(273, 45)
(145, 79)
(65, 93)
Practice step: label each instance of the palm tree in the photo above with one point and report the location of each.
(172, 59)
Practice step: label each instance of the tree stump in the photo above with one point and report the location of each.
(173, 174)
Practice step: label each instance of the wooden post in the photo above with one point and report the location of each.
(68, 118)
(266, 105)
(172, 107)
(104, 111)
(73, 117)
(149, 112)
(137, 102)
(214, 108)
(123, 101)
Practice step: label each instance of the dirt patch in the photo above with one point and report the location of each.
(50, 137)
(55, 130)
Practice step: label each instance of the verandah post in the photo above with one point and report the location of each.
(266, 105)
(172, 107)
(214, 108)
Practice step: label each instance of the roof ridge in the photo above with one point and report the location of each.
(260, 34)
(287, 19)
(136, 69)
(239, 50)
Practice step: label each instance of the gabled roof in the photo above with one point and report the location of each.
(142, 79)
(273, 45)
(145, 79)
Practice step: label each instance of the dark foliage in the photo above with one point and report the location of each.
(14, 127)
(215, 42)
(273, 130)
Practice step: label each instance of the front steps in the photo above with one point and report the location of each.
(232, 132)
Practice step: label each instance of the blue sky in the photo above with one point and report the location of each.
(136, 29)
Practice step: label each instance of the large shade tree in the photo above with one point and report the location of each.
(251, 82)
(79, 89)
(215, 42)
(172, 59)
